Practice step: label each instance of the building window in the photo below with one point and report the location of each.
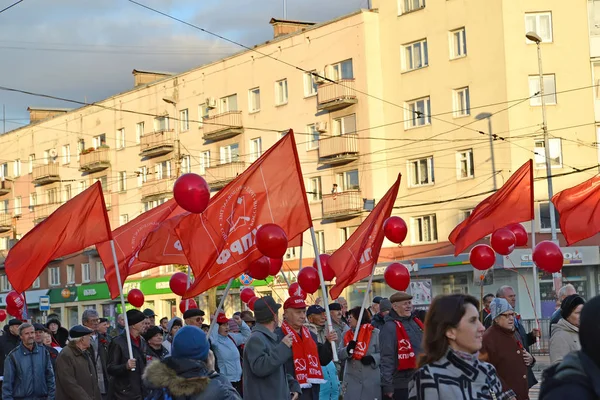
(85, 273)
(139, 132)
(32, 200)
(123, 219)
(348, 180)
(167, 269)
(310, 84)
(99, 271)
(464, 164)
(204, 161)
(421, 172)
(229, 103)
(290, 253)
(540, 23)
(320, 241)
(230, 153)
(418, 113)
(545, 216)
(99, 141)
(4, 241)
(555, 153)
(17, 167)
(345, 234)
(406, 6)
(184, 120)
(186, 164)
(281, 92)
(458, 43)
(161, 124)
(4, 170)
(68, 193)
(80, 148)
(344, 125)
(36, 283)
(462, 102)
(70, 274)
(142, 175)
(255, 149)
(31, 161)
(82, 186)
(316, 191)
(5, 285)
(66, 154)
(122, 181)
(202, 114)
(424, 228)
(120, 139)
(52, 196)
(18, 203)
(342, 70)
(46, 156)
(254, 99)
(535, 98)
(464, 214)
(414, 55)
(163, 170)
(313, 137)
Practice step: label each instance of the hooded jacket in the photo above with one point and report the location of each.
(576, 377)
(378, 321)
(185, 379)
(62, 334)
(564, 339)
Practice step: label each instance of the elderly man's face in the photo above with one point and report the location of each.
(39, 337)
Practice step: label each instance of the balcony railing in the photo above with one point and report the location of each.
(335, 96)
(342, 205)
(94, 161)
(156, 188)
(220, 175)
(5, 187)
(338, 149)
(45, 174)
(43, 211)
(157, 143)
(223, 126)
(5, 222)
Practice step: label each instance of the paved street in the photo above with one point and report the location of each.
(542, 362)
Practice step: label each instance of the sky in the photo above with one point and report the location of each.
(85, 50)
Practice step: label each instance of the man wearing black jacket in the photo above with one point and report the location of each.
(8, 342)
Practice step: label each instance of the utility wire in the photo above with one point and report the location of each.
(11, 6)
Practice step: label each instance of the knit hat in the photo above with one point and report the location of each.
(151, 332)
(190, 342)
(265, 308)
(385, 305)
(135, 317)
(335, 307)
(569, 304)
(233, 326)
(499, 306)
(174, 321)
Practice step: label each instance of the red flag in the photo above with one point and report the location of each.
(77, 224)
(354, 260)
(579, 210)
(220, 243)
(162, 246)
(128, 239)
(511, 204)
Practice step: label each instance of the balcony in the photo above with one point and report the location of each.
(5, 222)
(223, 126)
(94, 161)
(336, 96)
(43, 211)
(45, 174)
(157, 143)
(342, 205)
(219, 176)
(338, 149)
(153, 189)
(5, 187)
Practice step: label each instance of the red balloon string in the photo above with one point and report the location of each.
(514, 269)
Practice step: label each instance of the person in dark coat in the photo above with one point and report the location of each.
(378, 319)
(98, 352)
(40, 332)
(102, 331)
(154, 339)
(126, 373)
(59, 334)
(51, 350)
(76, 377)
(8, 342)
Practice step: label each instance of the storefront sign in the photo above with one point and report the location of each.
(381, 269)
(57, 295)
(98, 291)
(584, 255)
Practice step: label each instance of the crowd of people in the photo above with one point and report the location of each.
(387, 351)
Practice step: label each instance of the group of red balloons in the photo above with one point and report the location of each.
(396, 275)
(308, 277)
(248, 296)
(272, 242)
(14, 305)
(178, 285)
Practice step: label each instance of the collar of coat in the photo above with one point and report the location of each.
(266, 331)
(159, 375)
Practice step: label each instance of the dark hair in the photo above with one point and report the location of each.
(487, 296)
(444, 313)
(355, 312)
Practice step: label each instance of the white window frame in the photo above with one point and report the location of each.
(340, 125)
(464, 214)
(17, 168)
(414, 172)
(316, 189)
(320, 241)
(466, 157)
(227, 104)
(408, 6)
(546, 218)
(18, 205)
(345, 233)
(4, 171)
(66, 153)
(254, 100)
(4, 240)
(36, 283)
(31, 161)
(204, 161)
(338, 72)
(100, 271)
(161, 123)
(458, 43)
(412, 107)
(255, 149)
(85, 267)
(418, 236)
(540, 153)
(281, 92)
(99, 140)
(123, 219)
(142, 176)
(343, 180)
(226, 156)
(68, 193)
(186, 164)
(122, 181)
(310, 84)
(32, 200)
(290, 253)
(549, 90)
(80, 148)
(313, 137)
(203, 113)
(120, 139)
(71, 275)
(139, 132)
(5, 285)
(160, 170)
(461, 100)
(536, 17)
(409, 53)
(46, 156)
(184, 120)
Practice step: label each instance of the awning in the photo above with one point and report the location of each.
(32, 297)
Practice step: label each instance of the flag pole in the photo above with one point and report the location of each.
(189, 280)
(118, 273)
(220, 307)
(535, 281)
(324, 290)
(301, 245)
(364, 303)
(287, 282)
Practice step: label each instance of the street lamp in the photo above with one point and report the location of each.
(170, 100)
(488, 116)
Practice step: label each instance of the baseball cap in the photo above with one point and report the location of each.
(294, 302)
(377, 299)
(314, 309)
(222, 319)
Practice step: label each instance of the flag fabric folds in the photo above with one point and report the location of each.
(128, 240)
(579, 210)
(77, 224)
(512, 203)
(354, 260)
(219, 244)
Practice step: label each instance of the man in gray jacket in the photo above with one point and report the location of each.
(265, 356)
(395, 377)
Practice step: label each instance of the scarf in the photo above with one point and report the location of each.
(362, 342)
(306, 358)
(406, 355)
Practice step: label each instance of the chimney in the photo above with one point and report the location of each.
(145, 77)
(41, 113)
(284, 27)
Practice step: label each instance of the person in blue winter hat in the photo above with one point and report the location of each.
(189, 373)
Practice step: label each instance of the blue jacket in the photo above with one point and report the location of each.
(28, 374)
(227, 353)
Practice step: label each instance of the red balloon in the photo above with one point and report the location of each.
(271, 240)
(308, 279)
(246, 294)
(395, 229)
(251, 302)
(3, 315)
(192, 193)
(14, 311)
(192, 304)
(482, 257)
(296, 290)
(328, 272)
(397, 276)
(15, 300)
(135, 297)
(520, 234)
(259, 269)
(503, 241)
(178, 283)
(548, 257)
(275, 265)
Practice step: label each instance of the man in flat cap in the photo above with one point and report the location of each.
(151, 317)
(98, 352)
(400, 340)
(194, 316)
(126, 382)
(76, 376)
(8, 341)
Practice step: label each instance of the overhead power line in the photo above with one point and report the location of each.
(11, 6)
